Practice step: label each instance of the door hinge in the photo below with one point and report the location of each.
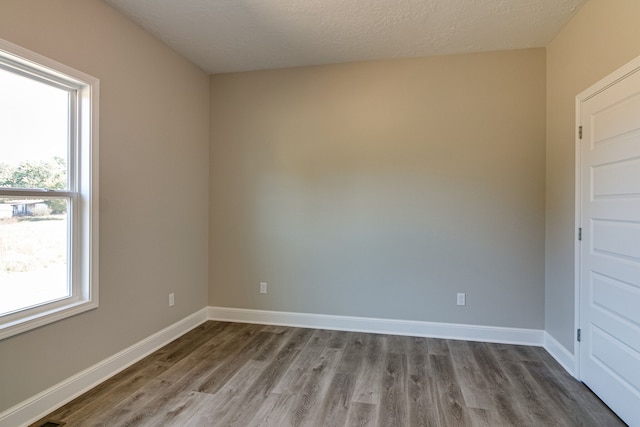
(579, 335)
(580, 132)
(580, 234)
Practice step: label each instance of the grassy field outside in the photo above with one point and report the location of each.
(33, 261)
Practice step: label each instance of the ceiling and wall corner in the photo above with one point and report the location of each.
(242, 35)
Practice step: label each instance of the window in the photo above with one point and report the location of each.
(48, 191)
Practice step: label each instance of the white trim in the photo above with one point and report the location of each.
(621, 73)
(576, 244)
(495, 334)
(560, 353)
(630, 68)
(54, 397)
(40, 62)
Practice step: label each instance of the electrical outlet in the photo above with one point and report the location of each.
(172, 300)
(263, 287)
(462, 298)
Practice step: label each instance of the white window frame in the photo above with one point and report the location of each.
(82, 193)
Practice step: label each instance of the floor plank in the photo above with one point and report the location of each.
(229, 374)
(368, 388)
(393, 405)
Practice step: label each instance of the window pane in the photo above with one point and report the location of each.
(34, 131)
(33, 253)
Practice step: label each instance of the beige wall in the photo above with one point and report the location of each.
(381, 189)
(603, 36)
(153, 188)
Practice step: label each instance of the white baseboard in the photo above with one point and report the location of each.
(51, 399)
(560, 353)
(495, 334)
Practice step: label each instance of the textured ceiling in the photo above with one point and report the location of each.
(239, 35)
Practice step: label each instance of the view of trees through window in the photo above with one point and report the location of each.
(34, 229)
(51, 175)
(33, 236)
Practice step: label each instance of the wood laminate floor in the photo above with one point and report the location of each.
(231, 374)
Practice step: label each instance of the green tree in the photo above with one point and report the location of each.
(5, 174)
(51, 175)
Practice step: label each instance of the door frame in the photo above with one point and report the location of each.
(621, 73)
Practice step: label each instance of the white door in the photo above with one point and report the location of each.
(610, 248)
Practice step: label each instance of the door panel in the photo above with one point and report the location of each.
(610, 250)
(616, 119)
(617, 238)
(621, 178)
(616, 297)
